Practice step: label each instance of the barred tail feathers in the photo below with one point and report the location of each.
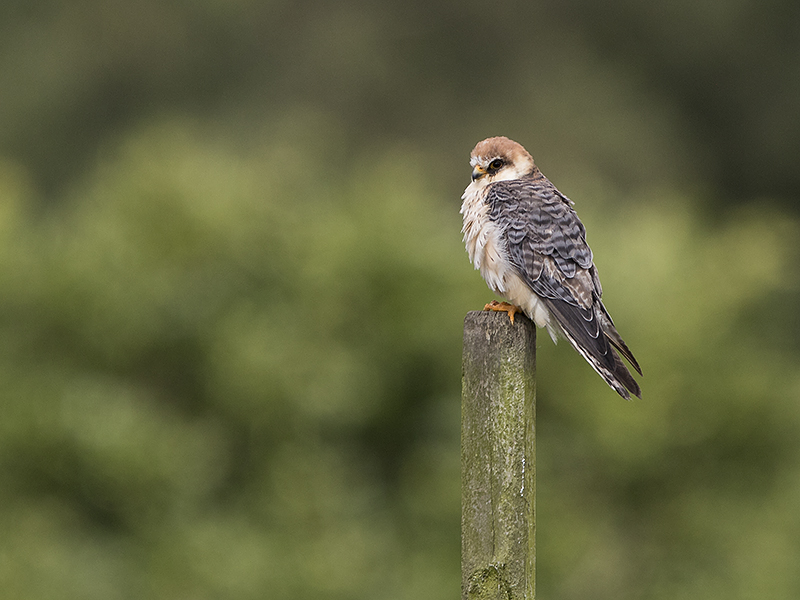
(594, 337)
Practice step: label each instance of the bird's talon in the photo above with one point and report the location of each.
(505, 307)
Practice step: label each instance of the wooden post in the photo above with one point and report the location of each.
(498, 458)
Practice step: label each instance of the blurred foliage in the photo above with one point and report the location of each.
(233, 289)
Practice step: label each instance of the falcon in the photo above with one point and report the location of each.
(530, 247)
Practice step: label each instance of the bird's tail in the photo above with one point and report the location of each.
(608, 329)
(610, 367)
(600, 351)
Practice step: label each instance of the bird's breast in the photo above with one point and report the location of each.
(484, 241)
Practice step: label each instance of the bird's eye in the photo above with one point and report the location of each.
(496, 164)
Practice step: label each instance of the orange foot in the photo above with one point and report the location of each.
(503, 307)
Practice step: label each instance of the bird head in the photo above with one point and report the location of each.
(499, 159)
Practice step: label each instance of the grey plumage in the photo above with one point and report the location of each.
(544, 242)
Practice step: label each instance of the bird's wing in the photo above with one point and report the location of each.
(546, 243)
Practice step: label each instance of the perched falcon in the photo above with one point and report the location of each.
(530, 247)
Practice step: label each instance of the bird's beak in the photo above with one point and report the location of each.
(478, 172)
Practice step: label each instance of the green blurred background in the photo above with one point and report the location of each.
(232, 288)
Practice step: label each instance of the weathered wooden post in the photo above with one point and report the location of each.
(498, 458)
